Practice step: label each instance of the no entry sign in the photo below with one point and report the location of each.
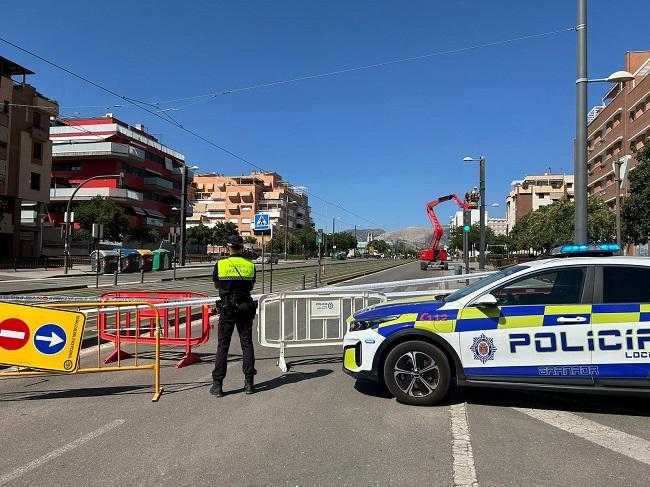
(14, 334)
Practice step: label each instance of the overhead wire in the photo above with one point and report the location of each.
(156, 110)
(364, 67)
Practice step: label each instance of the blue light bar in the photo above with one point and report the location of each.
(595, 248)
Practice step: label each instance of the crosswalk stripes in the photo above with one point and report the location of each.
(624, 443)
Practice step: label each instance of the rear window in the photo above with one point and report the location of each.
(626, 284)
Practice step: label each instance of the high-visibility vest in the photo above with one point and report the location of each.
(235, 269)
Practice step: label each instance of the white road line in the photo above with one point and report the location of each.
(20, 471)
(463, 458)
(629, 445)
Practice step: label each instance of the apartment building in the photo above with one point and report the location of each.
(25, 161)
(618, 127)
(498, 225)
(236, 199)
(152, 172)
(533, 192)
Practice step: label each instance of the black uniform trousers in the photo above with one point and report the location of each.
(228, 321)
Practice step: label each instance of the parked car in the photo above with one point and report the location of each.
(267, 259)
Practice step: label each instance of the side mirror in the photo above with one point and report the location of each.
(485, 301)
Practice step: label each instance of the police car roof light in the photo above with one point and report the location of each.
(586, 250)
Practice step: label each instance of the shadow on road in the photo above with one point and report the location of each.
(75, 393)
(283, 380)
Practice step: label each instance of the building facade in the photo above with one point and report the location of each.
(25, 161)
(498, 225)
(236, 199)
(150, 192)
(618, 127)
(533, 192)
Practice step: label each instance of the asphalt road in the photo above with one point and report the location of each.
(311, 426)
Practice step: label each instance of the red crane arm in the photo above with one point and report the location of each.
(438, 231)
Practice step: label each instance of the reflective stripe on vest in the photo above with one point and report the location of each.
(235, 269)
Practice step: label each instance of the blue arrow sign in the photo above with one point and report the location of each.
(261, 222)
(50, 339)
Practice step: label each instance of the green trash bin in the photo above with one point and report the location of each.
(162, 260)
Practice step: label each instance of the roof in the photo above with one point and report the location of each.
(566, 261)
(10, 68)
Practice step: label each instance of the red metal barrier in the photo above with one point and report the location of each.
(142, 326)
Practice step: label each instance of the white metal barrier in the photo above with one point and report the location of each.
(308, 319)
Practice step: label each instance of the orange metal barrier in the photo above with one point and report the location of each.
(176, 323)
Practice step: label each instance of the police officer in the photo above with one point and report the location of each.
(234, 277)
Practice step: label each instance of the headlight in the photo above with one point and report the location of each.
(358, 325)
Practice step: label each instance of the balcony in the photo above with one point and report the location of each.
(158, 183)
(235, 197)
(39, 134)
(85, 194)
(105, 149)
(153, 222)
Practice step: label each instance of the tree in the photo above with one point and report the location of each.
(144, 235)
(104, 211)
(456, 237)
(553, 225)
(344, 241)
(305, 238)
(221, 231)
(635, 214)
(378, 246)
(250, 240)
(199, 234)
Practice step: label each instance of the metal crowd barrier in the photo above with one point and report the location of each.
(176, 323)
(151, 361)
(308, 319)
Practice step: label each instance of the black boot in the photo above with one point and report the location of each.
(217, 389)
(249, 386)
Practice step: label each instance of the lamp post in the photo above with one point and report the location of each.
(66, 243)
(481, 248)
(183, 222)
(580, 158)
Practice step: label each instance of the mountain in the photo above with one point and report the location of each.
(416, 236)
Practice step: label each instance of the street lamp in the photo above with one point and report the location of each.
(580, 158)
(481, 161)
(183, 170)
(66, 243)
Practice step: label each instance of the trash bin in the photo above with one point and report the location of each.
(131, 259)
(458, 270)
(147, 259)
(162, 260)
(107, 261)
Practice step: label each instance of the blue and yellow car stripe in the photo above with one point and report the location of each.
(439, 320)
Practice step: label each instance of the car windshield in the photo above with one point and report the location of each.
(461, 293)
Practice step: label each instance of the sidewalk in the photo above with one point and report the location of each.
(76, 271)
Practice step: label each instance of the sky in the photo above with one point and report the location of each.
(376, 142)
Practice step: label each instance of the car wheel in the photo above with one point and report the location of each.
(424, 265)
(417, 373)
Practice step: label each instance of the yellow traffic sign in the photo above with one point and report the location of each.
(40, 338)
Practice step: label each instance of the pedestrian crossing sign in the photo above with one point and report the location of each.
(261, 222)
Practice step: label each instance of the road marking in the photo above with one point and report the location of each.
(629, 445)
(20, 471)
(463, 457)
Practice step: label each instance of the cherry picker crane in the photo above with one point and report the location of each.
(434, 256)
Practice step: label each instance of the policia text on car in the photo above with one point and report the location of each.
(234, 277)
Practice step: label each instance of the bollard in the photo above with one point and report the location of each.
(141, 276)
(303, 283)
(316, 280)
(115, 278)
(15, 264)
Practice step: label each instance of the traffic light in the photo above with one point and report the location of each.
(467, 220)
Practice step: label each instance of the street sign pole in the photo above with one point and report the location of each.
(467, 227)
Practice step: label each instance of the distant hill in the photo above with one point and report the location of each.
(416, 236)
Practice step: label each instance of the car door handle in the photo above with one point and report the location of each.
(571, 319)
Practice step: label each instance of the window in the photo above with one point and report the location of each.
(38, 151)
(562, 286)
(461, 293)
(626, 284)
(35, 181)
(36, 122)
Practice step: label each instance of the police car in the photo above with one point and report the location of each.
(579, 322)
